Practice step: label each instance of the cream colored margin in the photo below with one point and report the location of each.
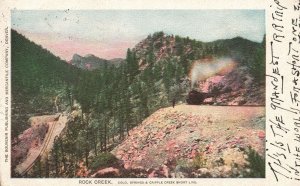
(7, 5)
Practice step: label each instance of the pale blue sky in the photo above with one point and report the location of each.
(108, 26)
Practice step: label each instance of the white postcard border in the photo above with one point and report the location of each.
(6, 6)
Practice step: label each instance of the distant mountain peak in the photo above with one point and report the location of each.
(91, 62)
(76, 57)
(89, 55)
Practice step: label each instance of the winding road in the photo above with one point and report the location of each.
(55, 128)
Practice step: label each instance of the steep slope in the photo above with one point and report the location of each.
(39, 79)
(198, 141)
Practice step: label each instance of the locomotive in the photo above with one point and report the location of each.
(197, 98)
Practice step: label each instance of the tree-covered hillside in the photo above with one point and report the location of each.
(160, 46)
(38, 77)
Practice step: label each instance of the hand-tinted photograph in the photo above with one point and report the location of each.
(138, 93)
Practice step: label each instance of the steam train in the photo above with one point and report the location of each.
(197, 98)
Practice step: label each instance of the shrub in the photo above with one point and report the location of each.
(256, 164)
(182, 163)
(199, 161)
(102, 160)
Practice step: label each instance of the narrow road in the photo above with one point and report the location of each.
(224, 113)
(55, 128)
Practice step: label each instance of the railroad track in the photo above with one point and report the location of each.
(42, 151)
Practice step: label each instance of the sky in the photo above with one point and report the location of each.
(108, 33)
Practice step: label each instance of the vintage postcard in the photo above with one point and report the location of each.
(150, 93)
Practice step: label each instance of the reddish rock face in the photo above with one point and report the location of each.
(235, 88)
(30, 138)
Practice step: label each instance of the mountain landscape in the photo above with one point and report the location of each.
(93, 117)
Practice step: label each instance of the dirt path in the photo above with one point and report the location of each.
(55, 128)
(227, 115)
(222, 111)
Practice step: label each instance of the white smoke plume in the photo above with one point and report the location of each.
(205, 68)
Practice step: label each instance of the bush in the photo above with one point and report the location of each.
(256, 164)
(102, 160)
(182, 163)
(199, 161)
